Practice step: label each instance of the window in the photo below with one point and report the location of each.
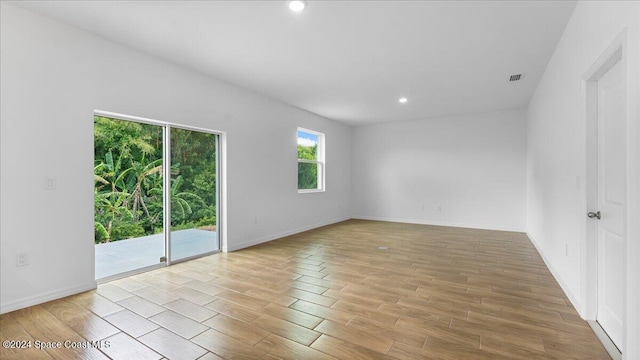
(310, 161)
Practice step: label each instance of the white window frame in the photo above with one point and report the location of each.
(320, 161)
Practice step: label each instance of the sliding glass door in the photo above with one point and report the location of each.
(155, 194)
(193, 193)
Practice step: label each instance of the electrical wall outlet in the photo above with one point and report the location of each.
(22, 259)
(49, 183)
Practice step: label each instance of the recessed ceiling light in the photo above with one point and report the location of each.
(403, 100)
(297, 5)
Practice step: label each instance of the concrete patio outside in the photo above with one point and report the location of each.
(131, 254)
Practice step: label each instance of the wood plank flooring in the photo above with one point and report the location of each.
(329, 293)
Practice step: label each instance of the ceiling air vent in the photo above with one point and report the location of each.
(515, 77)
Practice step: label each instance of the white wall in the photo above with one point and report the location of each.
(472, 167)
(54, 77)
(556, 213)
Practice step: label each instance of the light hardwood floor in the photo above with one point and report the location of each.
(436, 293)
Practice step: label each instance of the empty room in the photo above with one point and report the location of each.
(320, 179)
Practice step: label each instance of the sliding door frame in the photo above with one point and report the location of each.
(166, 180)
(167, 175)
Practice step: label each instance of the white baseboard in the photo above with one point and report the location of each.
(606, 341)
(264, 239)
(574, 300)
(440, 223)
(44, 297)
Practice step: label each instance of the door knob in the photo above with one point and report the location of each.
(594, 215)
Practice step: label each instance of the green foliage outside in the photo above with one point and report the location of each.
(128, 180)
(307, 172)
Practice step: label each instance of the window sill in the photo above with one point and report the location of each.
(308, 191)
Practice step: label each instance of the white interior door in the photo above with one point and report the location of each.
(611, 203)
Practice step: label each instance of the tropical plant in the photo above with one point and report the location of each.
(128, 179)
(111, 207)
(181, 201)
(138, 178)
(101, 234)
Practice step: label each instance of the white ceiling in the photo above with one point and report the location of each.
(345, 60)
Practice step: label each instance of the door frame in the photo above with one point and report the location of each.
(167, 183)
(615, 52)
(221, 187)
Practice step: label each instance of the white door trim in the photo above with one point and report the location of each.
(616, 52)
